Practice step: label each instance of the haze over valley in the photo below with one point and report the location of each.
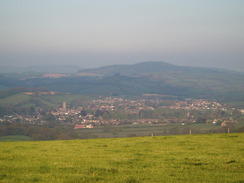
(121, 91)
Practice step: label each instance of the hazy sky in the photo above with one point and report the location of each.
(92, 33)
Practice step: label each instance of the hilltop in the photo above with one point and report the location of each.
(147, 67)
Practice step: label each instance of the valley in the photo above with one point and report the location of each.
(151, 98)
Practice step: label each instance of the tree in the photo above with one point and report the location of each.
(83, 112)
(98, 113)
(106, 115)
(201, 120)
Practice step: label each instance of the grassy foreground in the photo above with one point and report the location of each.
(188, 158)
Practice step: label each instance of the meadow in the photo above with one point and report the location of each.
(185, 158)
(150, 130)
(14, 138)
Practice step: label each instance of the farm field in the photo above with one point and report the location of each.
(48, 101)
(147, 130)
(185, 158)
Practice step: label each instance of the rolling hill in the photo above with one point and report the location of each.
(142, 78)
(148, 67)
(165, 78)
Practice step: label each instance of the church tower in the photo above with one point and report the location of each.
(64, 105)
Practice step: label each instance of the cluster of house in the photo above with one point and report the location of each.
(197, 104)
(225, 123)
(112, 103)
(80, 126)
(75, 116)
(30, 119)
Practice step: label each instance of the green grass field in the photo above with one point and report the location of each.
(23, 100)
(155, 130)
(187, 158)
(14, 99)
(14, 138)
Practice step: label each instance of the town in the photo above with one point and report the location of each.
(109, 111)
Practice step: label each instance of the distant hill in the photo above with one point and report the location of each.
(146, 68)
(182, 80)
(142, 78)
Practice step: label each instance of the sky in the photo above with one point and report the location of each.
(94, 33)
